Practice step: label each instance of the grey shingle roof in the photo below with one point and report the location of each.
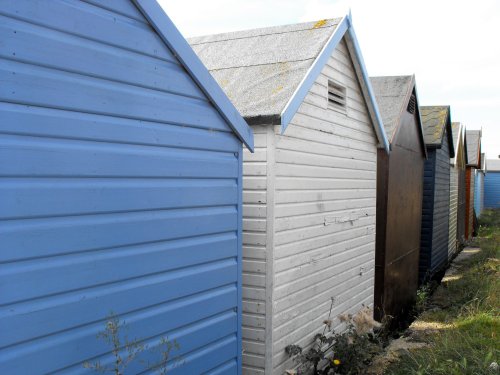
(473, 144)
(260, 69)
(391, 93)
(434, 120)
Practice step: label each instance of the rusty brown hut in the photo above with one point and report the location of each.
(399, 196)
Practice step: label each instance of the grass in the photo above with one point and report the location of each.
(464, 319)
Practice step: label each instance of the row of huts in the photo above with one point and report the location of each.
(219, 193)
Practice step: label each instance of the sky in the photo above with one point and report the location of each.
(452, 46)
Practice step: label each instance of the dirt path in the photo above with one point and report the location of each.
(415, 337)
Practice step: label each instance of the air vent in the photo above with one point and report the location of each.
(412, 104)
(336, 95)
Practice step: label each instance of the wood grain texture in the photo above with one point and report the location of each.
(324, 212)
(435, 211)
(399, 213)
(121, 192)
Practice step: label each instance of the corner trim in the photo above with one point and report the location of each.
(367, 88)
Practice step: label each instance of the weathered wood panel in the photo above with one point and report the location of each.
(461, 209)
(439, 252)
(427, 213)
(256, 251)
(324, 212)
(435, 211)
(399, 213)
(452, 236)
(469, 202)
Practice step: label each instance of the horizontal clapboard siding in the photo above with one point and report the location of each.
(492, 189)
(452, 239)
(434, 244)
(439, 251)
(479, 192)
(120, 194)
(255, 253)
(470, 181)
(427, 214)
(324, 244)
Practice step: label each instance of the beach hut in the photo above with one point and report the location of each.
(310, 188)
(473, 163)
(492, 184)
(399, 196)
(457, 191)
(120, 193)
(436, 198)
(479, 187)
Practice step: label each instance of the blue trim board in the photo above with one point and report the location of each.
(298, 97)
(165, 28)
(379, 125)
(313, 73)
(240, 260)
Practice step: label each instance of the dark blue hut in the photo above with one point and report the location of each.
(436, 121)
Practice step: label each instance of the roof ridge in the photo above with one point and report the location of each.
(264, 34)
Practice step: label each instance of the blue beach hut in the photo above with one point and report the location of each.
(121, 191)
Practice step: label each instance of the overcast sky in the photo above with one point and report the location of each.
(452, 46)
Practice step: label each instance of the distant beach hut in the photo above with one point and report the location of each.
(399, 196)
(436, 198)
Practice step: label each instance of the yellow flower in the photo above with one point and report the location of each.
(336, 362)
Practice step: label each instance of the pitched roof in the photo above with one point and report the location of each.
(434, 119)
(260, 69)
(456, 129)
(393, 94)
(473, 147)
(167, 31)
(456, 133)
(268, 72)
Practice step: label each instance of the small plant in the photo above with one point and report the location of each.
(423, 294)
(349, 352)
(125, 351)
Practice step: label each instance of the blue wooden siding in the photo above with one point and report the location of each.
(435, 211)
(479, 192)
(492, 189)
(120, 191)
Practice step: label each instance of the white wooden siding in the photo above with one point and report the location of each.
(255, 239)
(452, 241)
(324, 244)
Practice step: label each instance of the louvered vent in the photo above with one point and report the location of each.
(412, 104)
(336, 95)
